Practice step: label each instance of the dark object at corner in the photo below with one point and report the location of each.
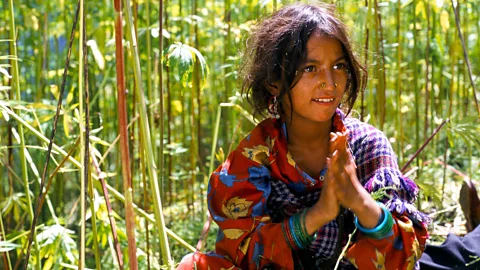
(470, 204)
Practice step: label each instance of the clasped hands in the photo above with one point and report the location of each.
(342, 188)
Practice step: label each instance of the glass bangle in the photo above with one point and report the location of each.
(292, 231)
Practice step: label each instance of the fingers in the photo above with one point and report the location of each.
(332, 144)
(337, 149)
(338, 142)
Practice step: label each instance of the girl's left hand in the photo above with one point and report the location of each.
(348, 189)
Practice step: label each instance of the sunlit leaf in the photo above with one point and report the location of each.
(97, 140)
(444, 20)
(5, 72)
(66, 124)
(97, 54)
(420, 10)
(8, 246)
(48, 263)
(55, 91)
(5, 115)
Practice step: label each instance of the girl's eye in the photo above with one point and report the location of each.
(309, 69)
(339, 66)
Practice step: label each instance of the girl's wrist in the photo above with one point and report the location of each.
(368, 213)
(316, 218)
(382, 229)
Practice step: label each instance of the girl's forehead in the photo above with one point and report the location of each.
(321, 44)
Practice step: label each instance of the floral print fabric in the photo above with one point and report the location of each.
(259, 185)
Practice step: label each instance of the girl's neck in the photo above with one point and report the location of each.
(308, 133)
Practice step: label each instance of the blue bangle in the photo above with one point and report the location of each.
(383, 228)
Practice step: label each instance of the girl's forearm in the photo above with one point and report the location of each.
(368, 212)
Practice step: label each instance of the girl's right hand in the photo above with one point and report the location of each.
(325, 209)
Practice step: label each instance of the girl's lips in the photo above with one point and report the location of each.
(324, 99)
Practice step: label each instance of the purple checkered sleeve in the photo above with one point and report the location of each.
(377, 168)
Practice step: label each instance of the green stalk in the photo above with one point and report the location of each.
(10, 143)
(169, 116)
(453, 59)
(432, 85)
(192, 169)
(151, 98)
(145, 131)
(399, 126)
(44, 59)
(197, 112)
(161, 99)
(226, 53)
(87, 174)
(183, 133)
(415, 80)
(381, 99)
(4, 238)
(362, 94)
(23, 161)
(371, 96)
(459, 89)
(96, 248)
(81, 263)
(427, 77)
(214, 142)
(145, 204)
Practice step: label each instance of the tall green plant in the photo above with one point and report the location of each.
(83, 177)
(23, 161)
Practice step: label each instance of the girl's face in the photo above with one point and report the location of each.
(322, 82)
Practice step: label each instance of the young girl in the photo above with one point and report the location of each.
(294, 189)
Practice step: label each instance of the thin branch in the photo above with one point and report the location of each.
(118, 251)
(52, 137)
(424, 144)
(205, 230)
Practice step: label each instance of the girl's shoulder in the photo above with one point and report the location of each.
(361, 133)
(354, 124)
(263, 134)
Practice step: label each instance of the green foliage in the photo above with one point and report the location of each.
(184, 57)
(467, 128)
(57, 245)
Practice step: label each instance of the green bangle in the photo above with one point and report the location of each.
(298, 231)
(306, 237)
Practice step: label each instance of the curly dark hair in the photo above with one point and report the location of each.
(278, 47)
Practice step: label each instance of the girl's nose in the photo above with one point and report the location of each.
(326, 80)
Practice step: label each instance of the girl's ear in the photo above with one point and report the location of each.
(273, 89)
